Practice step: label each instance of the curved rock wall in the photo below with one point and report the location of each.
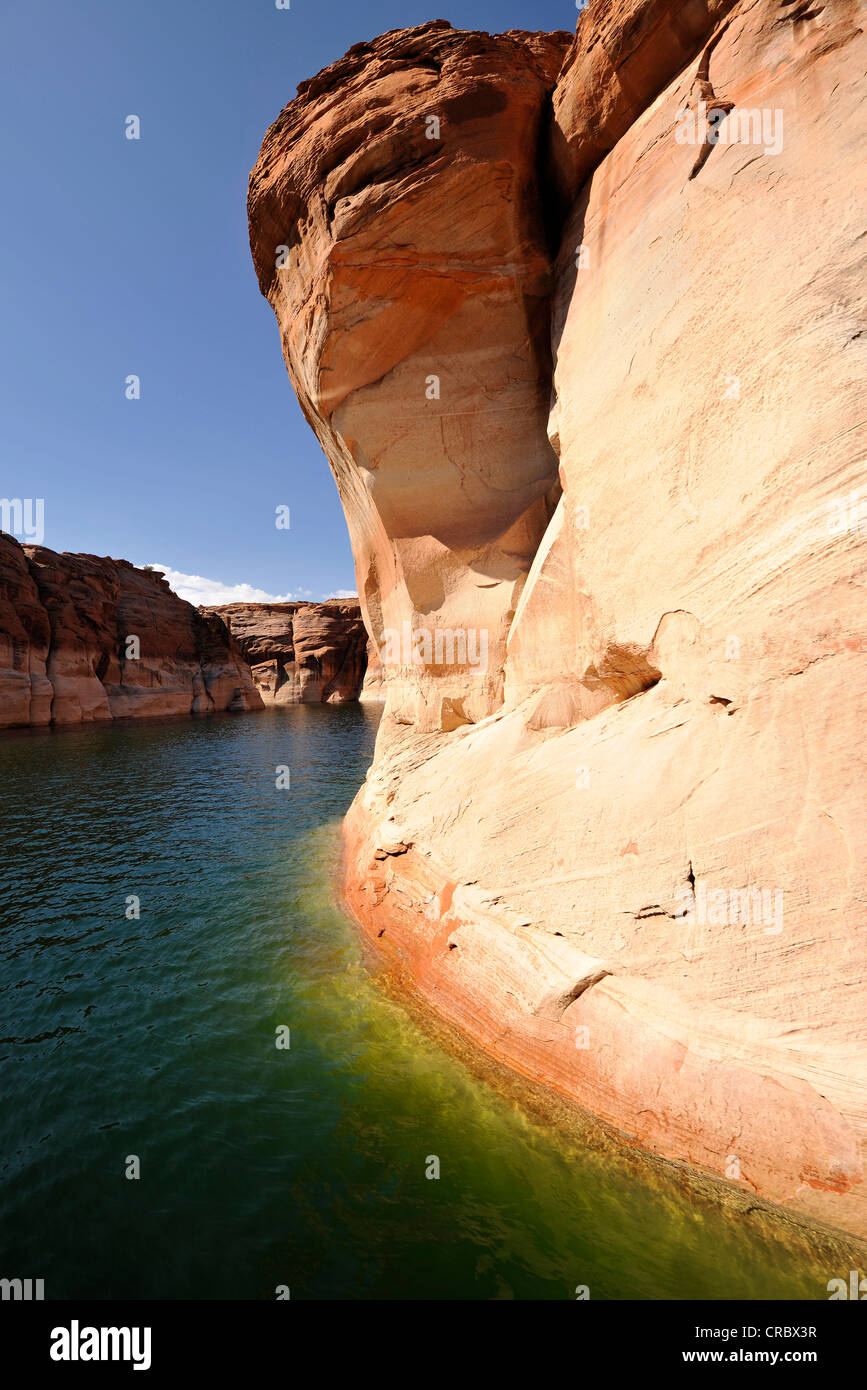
(398, 231)
(629, 860)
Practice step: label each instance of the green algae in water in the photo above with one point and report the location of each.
(303, 1167)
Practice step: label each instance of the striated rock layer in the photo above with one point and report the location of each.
(411, 278)
(65, 652)
(626, 852)
(301, 653)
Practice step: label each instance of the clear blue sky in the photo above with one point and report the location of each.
(121, 257)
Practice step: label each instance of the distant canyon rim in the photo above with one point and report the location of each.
(596, 389)
(85, 638)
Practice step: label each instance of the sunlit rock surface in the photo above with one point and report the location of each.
(301, 653)
(84, 638)
(628, 855)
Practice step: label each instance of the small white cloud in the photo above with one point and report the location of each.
(211, 592)
(343, 593)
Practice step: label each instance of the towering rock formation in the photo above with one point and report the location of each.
(301, 653)
(66, 654)
(583, 343)
(398, 231)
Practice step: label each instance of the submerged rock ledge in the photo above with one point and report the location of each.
(591, 386)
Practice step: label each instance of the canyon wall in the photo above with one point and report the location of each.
(65, 651)
(301, 653)
(411, 278)
(588, 368)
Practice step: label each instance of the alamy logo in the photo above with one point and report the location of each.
(848, 514)
(75, 1343)
(715, 125)
(442, 646)
(23, 517)
(857, 1288)
(23, 1289)
(720, 907)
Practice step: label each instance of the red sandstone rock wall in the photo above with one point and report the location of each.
(65, 621)
(629, 856)
(301, 653)
(411, 277)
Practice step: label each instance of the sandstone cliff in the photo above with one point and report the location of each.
(301, 653)
(589, 380)
(410, 277)
(66, 654)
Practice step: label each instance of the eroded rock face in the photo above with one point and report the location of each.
(638, 873)
(373, 689)
(616, 67)
(301, 653)
(398, 231)
(65, 625)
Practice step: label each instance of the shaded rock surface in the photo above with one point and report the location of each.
(301, 653)
(65, 653)
(628, 854)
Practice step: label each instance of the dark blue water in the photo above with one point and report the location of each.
(262, 1167)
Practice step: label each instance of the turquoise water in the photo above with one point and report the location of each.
(263, 1167)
